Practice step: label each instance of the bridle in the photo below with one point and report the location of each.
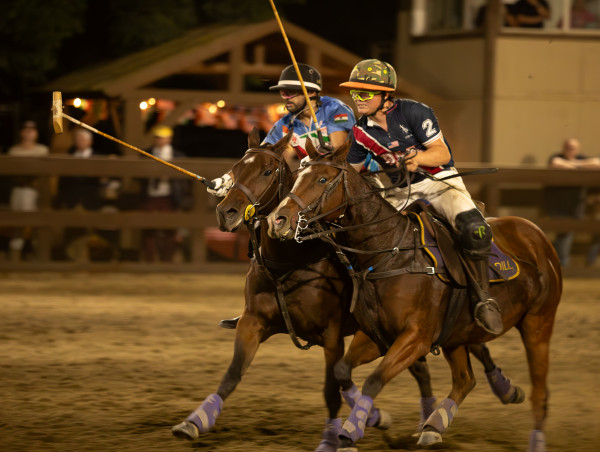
(317, 204)
(256, 203)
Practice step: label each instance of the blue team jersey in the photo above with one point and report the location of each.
(411, 125)
(332, 114)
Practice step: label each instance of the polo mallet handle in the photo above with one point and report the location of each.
(310, 107)
(57, 115)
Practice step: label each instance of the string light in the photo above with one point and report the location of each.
(77, 102)
(143, 105)
(221, 103)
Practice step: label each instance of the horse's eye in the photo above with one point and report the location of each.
(267, 173)
(322, 180)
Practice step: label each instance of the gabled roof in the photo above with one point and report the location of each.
(120, 77)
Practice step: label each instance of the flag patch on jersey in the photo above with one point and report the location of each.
(340, 118)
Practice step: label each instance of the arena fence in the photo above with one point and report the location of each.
(509, 191)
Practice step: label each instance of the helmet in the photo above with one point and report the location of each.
(289, 79)
(372, 74)
(162, 131)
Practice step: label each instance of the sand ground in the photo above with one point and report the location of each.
(109, 362)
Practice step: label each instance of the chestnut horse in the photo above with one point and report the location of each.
(407, 307)
(317, 291)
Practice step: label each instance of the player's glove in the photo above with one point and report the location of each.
(221, 185)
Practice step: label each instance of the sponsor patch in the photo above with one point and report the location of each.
(340, 118)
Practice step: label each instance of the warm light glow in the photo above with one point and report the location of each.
(77, 102)
(143, 105)
(221, 103)
(212, 109)
(151, 101)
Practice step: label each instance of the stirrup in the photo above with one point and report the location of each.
(487, 316)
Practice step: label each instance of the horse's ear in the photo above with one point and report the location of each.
(310, 149)
(283, 143)
(340, 153)
(254, 138)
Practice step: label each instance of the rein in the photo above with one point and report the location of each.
(252, 221)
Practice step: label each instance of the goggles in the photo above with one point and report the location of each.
(363, 95)
(289, 94)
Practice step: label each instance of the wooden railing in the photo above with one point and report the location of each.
(510, 191)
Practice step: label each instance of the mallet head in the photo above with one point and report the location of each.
(57, 108)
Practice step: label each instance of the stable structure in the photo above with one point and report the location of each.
(230, 63)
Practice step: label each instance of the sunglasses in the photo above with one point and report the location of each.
(288, 94)
(363, 95)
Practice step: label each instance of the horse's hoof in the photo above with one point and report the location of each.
(429, 437)
(537, 441)
(186, 430)
(385, 420)
(346, 445)
(518, 396)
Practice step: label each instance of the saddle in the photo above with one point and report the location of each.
(442, 247)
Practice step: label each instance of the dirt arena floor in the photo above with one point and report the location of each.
(95, 362)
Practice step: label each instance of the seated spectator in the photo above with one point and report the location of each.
(528, 13)
(567, 202)
(163, 195)
(87, 193)
(581, 17)
(25, 191)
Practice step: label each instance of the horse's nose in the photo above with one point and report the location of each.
(278, 223)
(227, 218)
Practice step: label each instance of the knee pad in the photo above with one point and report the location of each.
(475, 234)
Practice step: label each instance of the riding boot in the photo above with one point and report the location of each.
(230, 324)
(486, 312)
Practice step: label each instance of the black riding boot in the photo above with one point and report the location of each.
(230, 324)
(486, 312)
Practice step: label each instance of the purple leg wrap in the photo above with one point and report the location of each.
(427, 404)
(442, 417)
(537, 441)
(330, 440)
(354, 427)
(500, 385)
(351, 396)
(205, 415)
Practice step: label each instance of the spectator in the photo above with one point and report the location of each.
(529, 13)
(24, 193)
(567, 202)
(581, 17)
(87, 193)
(163, 195)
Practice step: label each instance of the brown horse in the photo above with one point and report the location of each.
(408, 308)
(316, 292)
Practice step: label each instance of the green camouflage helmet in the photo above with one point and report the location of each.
(372, 74)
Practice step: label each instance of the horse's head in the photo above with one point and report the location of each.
(260, 178)
(318, 191)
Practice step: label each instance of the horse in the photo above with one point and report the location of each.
(404, 307)
(301, 290)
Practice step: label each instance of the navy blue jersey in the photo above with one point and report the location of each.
(411, 125)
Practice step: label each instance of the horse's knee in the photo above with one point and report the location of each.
(372, 385)
(342, 371)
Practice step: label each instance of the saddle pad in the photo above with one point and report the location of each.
(501, 267)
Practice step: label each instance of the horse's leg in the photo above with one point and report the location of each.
(333, 348)
(535, 332)
(463, 381)
(247, 339)
(420, 371)
(362, 350)
(501, 386)
(405, 350)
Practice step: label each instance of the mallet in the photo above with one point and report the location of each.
(57, 121)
